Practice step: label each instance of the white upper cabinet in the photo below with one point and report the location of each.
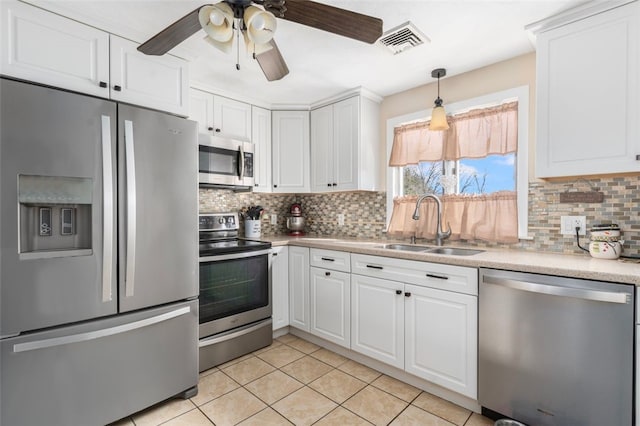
(261, 138)
(201, 110)
(220, 116)
(290, 149)
(588, 94)
(46, 48)
(345, 146)
(231, 118)
(158, 82)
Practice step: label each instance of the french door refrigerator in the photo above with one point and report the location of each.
(98, 261)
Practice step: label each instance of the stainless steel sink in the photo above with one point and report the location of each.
(404, 247)
(454, 251)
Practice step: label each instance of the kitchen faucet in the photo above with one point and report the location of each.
(440, 235)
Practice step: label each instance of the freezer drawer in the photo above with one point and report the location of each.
(98, 372)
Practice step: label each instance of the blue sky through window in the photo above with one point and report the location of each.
(500, 171)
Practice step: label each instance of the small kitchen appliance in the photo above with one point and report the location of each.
(605, 241)
(295, 220)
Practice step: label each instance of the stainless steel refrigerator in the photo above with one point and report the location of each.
(98, 263)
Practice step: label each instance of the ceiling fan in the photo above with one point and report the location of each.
(257, 25)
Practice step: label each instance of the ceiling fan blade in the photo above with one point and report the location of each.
(173, 35)
(272, 63)
(334, 20)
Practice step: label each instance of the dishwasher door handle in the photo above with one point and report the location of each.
(576, 293)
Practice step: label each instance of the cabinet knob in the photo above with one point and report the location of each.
(327, 274)
(398, 291)
(329, 185)
(117, 88)
(103, 84)
(637, 157)
(274, 254)
(210, 128)
(407, 294)
(217, 130)
(275, 186)
(334, 184)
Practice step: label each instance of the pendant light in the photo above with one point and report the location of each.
(438, 115)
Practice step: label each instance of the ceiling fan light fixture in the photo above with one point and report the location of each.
(217, 21)
(438, 114)
(261, 25)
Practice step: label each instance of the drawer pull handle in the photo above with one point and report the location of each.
(440, 277)
(103, 84)
(374, 267)
(327, 274)
(274, 254)
(328, 259)
(117, 88)
(407, 294)
(398, 291)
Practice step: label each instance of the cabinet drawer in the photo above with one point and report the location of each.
(460, 279)
(331, 259)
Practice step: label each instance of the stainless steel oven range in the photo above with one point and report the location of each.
(235, 291)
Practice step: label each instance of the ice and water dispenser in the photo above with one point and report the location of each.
(54, 216)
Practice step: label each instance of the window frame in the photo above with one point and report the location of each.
(521, 93)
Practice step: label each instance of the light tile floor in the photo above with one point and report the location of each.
(296, 382)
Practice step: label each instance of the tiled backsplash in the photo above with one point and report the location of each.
(365, 212)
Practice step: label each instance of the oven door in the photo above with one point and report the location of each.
(225, 162)
(235, 289)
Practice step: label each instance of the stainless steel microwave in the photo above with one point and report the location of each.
(225, 163)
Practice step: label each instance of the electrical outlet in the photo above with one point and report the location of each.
(340, 219)
(568, 225)
(273, 220)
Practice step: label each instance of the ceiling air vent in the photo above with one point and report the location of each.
(403, 37)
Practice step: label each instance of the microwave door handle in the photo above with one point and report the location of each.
(131, 208)
(241, 162)
(107, 205)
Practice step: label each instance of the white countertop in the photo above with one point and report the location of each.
(567, 265)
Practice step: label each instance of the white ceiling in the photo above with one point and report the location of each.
(464, 34)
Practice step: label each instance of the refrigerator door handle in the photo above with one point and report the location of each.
(91, 335)
(131, 208)
(107, 215)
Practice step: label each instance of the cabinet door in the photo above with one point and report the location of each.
(299, 287)
(441, 338)
(329, 305)
(377, 319)
(201, 110)
(290, 143)
(47, 48)
(158, 82)
(322, 176)
(588, 117)
(280, 286)
(231, 118)
(346, 144)
(261, 138)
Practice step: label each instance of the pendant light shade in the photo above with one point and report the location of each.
(438, 115)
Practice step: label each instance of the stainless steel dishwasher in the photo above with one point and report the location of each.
(555, 351)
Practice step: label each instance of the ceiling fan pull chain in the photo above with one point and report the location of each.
(238, 48)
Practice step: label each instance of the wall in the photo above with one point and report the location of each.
(365, 211)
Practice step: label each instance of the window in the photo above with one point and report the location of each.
(490, 174)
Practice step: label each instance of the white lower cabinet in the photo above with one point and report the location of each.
(426, 329)
(329, 305)
(377, 319)
(441, 343)
(299, 287)
(280, 286)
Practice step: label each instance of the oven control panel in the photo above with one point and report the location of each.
(218, 222)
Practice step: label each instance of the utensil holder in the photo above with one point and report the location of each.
(252, 228)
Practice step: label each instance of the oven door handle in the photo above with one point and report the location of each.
(242, 255)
